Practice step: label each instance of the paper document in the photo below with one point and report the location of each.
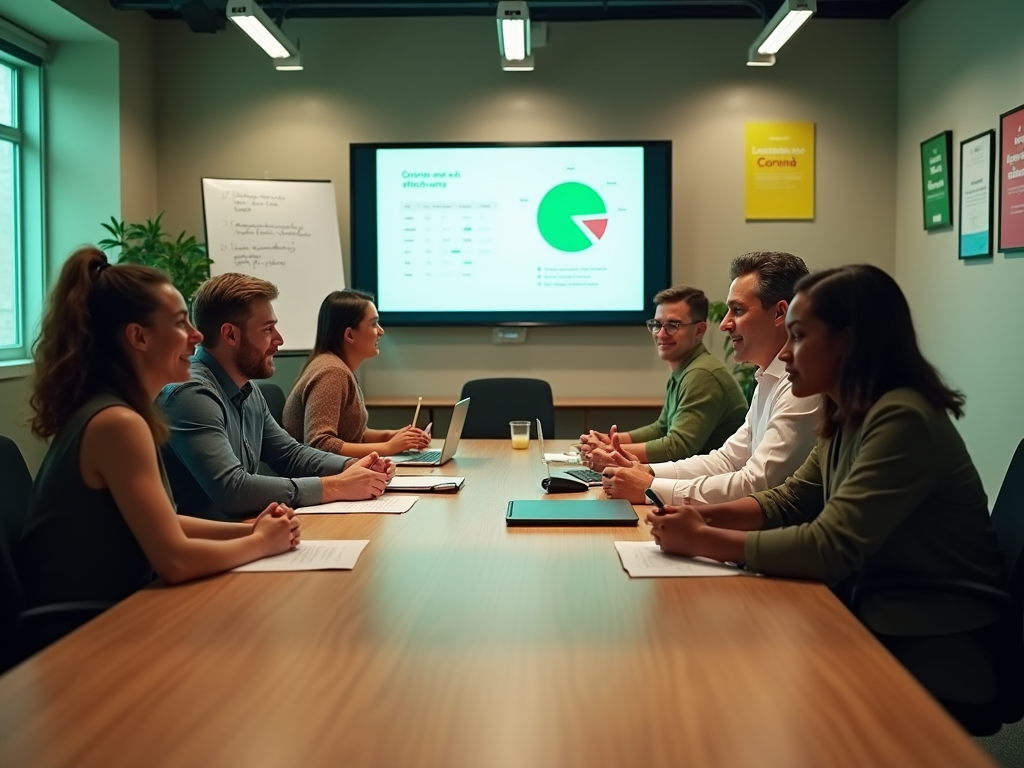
(387, 505)
(645, 558)
(562, 458)
(311, 556)
(424, 483)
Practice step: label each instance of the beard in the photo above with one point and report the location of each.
(252, 363)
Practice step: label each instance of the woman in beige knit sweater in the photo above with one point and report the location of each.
(325, 408)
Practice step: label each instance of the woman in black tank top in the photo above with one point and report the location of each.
(102, 521)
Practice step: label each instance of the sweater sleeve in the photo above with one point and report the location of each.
(325, 394)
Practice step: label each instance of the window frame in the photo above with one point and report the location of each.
(27, 136)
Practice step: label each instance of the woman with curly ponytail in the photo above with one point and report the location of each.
(102, 519)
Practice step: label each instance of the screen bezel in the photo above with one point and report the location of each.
(657, 235)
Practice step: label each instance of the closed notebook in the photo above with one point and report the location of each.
(566, 512)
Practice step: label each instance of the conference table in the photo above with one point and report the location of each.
(456, 641)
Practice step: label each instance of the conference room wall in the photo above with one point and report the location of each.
(959, 71)
(223, 111)
(100, 142)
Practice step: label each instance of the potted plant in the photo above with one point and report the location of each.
(184, 259)
(743, 372)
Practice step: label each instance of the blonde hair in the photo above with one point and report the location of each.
(227, 298)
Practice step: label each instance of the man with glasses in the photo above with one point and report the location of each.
(780, 428)
(703, 402)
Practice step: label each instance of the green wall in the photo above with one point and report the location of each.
(959, 66)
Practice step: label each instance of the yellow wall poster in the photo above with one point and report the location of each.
(780, 171)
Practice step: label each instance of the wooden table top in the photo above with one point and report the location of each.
(590, 402)
(457, 642)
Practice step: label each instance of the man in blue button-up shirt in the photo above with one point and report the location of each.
(221, 428)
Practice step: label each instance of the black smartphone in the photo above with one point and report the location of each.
(653, 496)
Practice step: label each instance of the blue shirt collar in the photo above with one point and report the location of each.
(227, 385)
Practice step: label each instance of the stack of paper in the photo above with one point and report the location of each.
(311, 556)
(645, 559)
(389, 505)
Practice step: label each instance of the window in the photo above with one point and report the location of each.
(21, 226)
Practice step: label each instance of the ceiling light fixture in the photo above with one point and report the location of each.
(792, 15)
(514, 36)
(254, 21)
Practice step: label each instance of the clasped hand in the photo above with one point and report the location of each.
(677, 529)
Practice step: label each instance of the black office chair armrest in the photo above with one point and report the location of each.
(84, 609)
(931, 585)
(45, 624)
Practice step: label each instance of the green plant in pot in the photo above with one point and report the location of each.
(743, 372)
(183, 258)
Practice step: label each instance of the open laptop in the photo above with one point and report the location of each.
(451, 443)
(583, 474)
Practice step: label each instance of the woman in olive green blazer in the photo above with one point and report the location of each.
(889, 486)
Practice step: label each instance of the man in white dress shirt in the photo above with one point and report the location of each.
(779, 430)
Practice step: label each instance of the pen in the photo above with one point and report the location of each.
(416, 415)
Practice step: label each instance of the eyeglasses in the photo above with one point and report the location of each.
(671, 326)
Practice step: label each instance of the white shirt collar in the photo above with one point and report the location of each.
(776, 369)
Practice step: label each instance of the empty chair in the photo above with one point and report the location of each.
(274, 396)
(496, 402)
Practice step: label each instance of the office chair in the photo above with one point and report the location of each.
(275, 398)
(15, 494)
(1004, 639)
(22, 633)
(496, 402)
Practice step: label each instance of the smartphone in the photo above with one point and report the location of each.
(651, 494)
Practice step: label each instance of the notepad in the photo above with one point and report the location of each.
(561, 512)
(320, 555)
(645, 559)
(387, 505)
(434, 483)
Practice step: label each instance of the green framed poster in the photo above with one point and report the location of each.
(936, 180)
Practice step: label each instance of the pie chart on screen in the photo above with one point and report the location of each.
(572, 217)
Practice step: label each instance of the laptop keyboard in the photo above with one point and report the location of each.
(426, 456)
(586, 475)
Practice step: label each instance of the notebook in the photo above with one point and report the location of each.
(575, 512)
(451, 443)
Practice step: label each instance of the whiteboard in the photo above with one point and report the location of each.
(282, 231)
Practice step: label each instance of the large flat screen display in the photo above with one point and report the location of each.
(512, 234)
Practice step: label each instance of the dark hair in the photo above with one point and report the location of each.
(227, 298)
(694, 298)
(777, 274)
(79, 353)
(883, 354)
(340, 311)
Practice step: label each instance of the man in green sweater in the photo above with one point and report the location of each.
(703, 403)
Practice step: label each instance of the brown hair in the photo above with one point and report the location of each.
(694, 298)
(79, 352)
(227, 298)
(777, 274)
(339, 311)
(883, 354)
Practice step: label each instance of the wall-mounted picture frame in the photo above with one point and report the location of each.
(1011, 180)
(936, 180)
(977, 171)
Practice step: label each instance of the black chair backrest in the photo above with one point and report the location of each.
(1008, 520)
(274, 396)
(496, 402)
(15, 495)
